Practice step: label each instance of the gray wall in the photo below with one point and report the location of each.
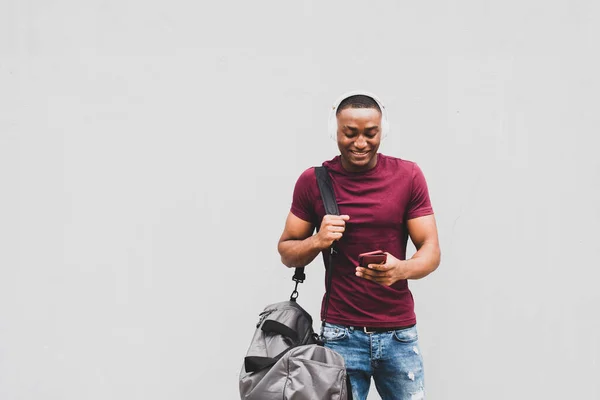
(148, 152)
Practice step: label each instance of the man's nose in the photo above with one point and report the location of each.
(360, 142)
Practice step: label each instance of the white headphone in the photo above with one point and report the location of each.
(332, 125)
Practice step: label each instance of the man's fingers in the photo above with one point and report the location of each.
(336, 219)
(333, 227)
(382, 274)
(342, 217)
(368, 271)
(335, 224)
(379, 267)
(376, 271)
(363, 273)
(367, 274)
(380, 277)
(331, 237)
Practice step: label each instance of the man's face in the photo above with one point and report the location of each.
(358, 137)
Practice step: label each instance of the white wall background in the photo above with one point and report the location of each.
(148, 152)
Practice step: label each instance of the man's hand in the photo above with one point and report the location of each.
(332, 228)
(423, 233)
(385, 274)
(298, 246)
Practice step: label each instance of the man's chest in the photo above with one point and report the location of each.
(377, 208)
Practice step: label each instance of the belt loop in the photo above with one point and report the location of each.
(366, 331)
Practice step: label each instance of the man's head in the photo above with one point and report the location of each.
(359, 124)
(357, 101)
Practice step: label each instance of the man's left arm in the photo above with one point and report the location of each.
(423, 233)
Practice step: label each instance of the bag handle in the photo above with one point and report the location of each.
(256, 363)
(272, 326)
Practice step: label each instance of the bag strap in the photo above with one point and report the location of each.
(331, 208)
(326, 189)
(256, 363)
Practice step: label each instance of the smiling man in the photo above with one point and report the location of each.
(383, 200)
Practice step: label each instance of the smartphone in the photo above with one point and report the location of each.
(372, 257)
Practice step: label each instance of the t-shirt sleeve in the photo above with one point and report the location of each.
(303, 199)
(419, 204)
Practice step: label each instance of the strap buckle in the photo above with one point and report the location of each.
(294, 295)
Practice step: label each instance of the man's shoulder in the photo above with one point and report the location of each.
(396, 163)
(334, 164)
(310, 171)
(307, 178)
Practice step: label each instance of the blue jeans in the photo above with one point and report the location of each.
(392, 358)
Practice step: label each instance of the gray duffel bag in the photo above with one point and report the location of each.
(286, 361)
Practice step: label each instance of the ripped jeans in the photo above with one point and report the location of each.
(392, 358)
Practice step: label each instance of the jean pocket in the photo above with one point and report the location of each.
(333, 333)
(406, 335)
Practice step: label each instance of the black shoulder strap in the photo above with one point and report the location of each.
(327, 193)
(331, 208)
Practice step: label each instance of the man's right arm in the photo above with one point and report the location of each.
(298, 246)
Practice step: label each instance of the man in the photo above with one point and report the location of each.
(383, 200)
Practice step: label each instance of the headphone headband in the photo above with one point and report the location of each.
(332, 124)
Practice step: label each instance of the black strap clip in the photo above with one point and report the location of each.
(299, 277)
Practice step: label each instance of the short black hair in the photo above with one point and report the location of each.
(358, 101)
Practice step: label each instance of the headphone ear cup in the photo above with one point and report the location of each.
(332, 124)
(385, 126)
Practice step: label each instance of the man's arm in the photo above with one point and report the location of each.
(298, 246)
(423, 233)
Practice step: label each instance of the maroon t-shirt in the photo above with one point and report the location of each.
(379, 202)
